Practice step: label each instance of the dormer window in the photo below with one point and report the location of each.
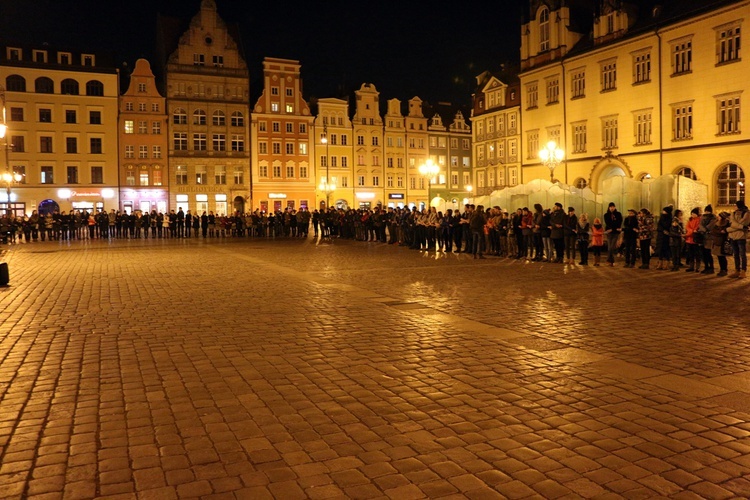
(87, 60)
(63, 58)
(14, 54)
(40, 56)
(544, 29)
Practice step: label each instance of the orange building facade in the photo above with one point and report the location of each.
(144, 176)
(281, 129)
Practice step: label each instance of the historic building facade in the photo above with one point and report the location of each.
(207, 87)
(450, 148)
(281, 128)
(638, 94)
(61, 112)
(369, 152)
(416, 154)
(395, 155)
(144, 176)
(496, 118)
(333, 153)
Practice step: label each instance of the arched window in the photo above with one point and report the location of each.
(15, 83)
(730, 185)
(687, 172)
(179, 117)
(219, 119)
(95, 87)
(44, 85)
(238, 119)
(580, 183)
(69, 86)
(199, 117)
(643, 177)
(544, 29)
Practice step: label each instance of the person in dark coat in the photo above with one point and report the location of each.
(662, 238)
(612, 231)
(630, 237)
(557, 231)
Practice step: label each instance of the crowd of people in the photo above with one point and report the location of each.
(544, 235)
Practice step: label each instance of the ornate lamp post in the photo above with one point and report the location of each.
(551, 157)
(327, 186)
(429, 170)
(9, 178)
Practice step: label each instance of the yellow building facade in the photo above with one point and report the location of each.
(332, 141)
(642, 95)
(61, 114)
(207, 88)
(369, 149)
(144, 176)
(281, 128)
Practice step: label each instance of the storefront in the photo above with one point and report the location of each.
(396, 200)
(367, 200)
(278, 202)
(89, 200)
(144, 200)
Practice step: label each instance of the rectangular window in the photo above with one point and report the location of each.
(727, 44)
(289, 146)
(290, 172)
(642, 67)
(143, 178)
(97, 175)
(95, 117)
(532, 95)
(578, 83)
(238, 142)
(157, 177)
(143, 127)
(156, 128)
(96, 145)
(199, 60)
(72, 175)
(344, 182)
(276, 148)
(344, 162)
(71, 145)
(303, 172)
(579, 137)
(219, 142)
(323, 161)
(290, 128)
(609, 132)
(454, 180)
(360, 140)
(263, 148)
(642, 127)
(129, 152)
(375, 141)
(302, 148)
(375, 180)
(276, 127)
(129, 127)
(277, 171)
(220, 174)
(47, 177)
(218, 61)
(609, 75)
(16, 114)
(70, 116)
(45, 144)
(533, 141)
(239, 176)
(682, 121)
(180, 141)
(156, 152)
(199, 142)
(553, 91)
(263, 170)
(360, 180)
(200, 175)
(682, 57)
(143, 152)
(45, 115)
(181, 175)
(262, 127)
(729, 115)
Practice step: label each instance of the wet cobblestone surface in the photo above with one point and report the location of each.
(236, 368)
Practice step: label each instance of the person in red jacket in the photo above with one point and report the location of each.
(693, 256)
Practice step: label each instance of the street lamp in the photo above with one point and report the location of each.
(327, 186)
(551, 156)
(9, 178)
(429, 170)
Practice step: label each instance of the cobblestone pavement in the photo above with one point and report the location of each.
(295, 369)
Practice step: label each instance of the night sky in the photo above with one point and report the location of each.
(405, 48)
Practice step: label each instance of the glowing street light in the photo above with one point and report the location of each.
(551, 157)
(429, 170)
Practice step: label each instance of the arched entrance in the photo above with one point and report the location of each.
(612, 179)
(239, 204)
(47, 207)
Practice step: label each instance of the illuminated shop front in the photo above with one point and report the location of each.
(88, 199)
(144, 200)
(278, 202)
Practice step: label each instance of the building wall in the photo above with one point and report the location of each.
(369, 148)
(417, 142)
(144, 176)
(333, 142)
(281, 119)
(33, 117)
(207, 76)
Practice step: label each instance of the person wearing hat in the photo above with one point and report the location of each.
(630, 237)
(571, 235)
(612, 230)
(692, 256)
(676, 240)
(704, 238)
(719, 242)
(662, 238)
(737, 233)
